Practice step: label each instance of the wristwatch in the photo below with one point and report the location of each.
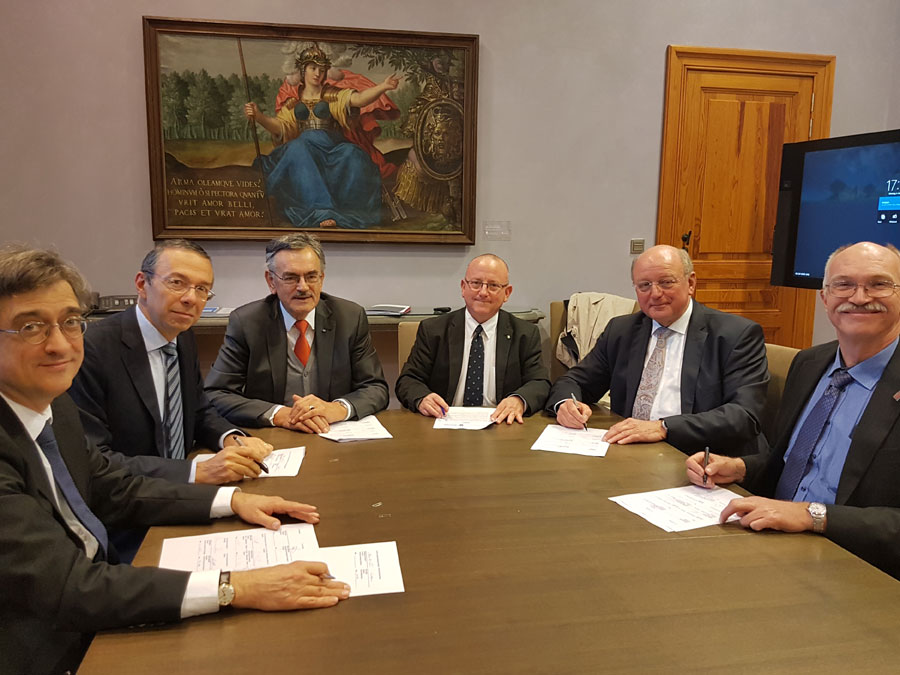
(818, 513)
(226, 590)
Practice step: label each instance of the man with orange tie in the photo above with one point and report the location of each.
(299, 358)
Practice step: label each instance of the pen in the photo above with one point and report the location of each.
(575, 400)
(705, 462)
(244, 445)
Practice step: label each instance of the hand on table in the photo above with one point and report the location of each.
(433, 406)
(759, 513)
(509, 410)
(573, 414)
(233, 462)
(258, 509)
(297, 585)
(631, 430)
(315, 414)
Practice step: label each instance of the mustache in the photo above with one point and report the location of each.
(871, 307)
(302, 296)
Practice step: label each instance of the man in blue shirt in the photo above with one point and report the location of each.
(835, 465)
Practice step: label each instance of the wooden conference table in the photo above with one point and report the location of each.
(515, 561)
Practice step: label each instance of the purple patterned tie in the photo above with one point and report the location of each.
(651, 376)
(797, 462)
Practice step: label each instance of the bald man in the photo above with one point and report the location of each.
(677, 371)
(479, 355)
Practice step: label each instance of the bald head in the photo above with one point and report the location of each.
(867, 249)
(664, 281)
(486, 271)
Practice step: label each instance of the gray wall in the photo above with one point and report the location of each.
(570, 114)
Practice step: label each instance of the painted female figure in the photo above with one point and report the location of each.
(319, 178)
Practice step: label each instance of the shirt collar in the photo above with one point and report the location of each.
(868, 372)
(289, 321)
(153, 339)
(489, 326)
(679, 325)
(34, 422)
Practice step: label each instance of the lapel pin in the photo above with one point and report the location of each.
(897, 396)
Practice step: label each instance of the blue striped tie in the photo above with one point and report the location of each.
(173, 420)
(798, 461)
(63, 479)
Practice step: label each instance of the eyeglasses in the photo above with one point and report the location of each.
(477, 285)
(311, 278)
(662, 284)
(37, 332)
(881, 288)
(180, 287)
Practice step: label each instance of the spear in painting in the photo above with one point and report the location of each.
(252, 123)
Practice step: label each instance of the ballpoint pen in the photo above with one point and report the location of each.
(575, 401)
(244, 445)
(705, 462)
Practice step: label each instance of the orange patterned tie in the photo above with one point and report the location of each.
(301, 348)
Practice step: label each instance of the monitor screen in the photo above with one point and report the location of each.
(834, 191)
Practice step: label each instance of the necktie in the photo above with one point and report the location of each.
(651, 376)
(63, 479)
(173, 418)
(474, 393)
(301, 347)
(796, 465)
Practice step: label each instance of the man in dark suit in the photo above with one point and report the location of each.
(130, 405)
(299, 359)
(835, 466)
(677, 371)
(508, 372)
(59, 493)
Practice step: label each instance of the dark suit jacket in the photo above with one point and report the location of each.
(865, 518)
(724, 378)
(119, 410)
(53, 596)
(435, 361)
(250, 373)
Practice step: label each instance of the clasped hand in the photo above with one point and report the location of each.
(310, 414)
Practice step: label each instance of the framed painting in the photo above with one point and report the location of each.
(358, 135)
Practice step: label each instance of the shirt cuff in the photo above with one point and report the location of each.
(347, 405)
(201, 595)
(269, 416)
(221, 505)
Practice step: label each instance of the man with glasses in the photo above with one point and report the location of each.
(477, 356)
(59, 495)
(677, 371)
(140, 391)
(834, 467)
(300, 358)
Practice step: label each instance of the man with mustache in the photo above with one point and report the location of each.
(299, 359)
(835, 466)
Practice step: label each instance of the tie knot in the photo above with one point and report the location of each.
(169, 349)
(662, 332)
(302, 325)
(840, 379)
(46, 435)
(478, 330)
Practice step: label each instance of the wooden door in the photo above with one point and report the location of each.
(727, 114)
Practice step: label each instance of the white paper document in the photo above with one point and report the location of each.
(679, 509)
(556, 438)
(370, 569)
(459, 417)
(366, 429)
(241, 549)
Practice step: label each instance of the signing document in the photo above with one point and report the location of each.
(459, 417)
(240, 549)
(366, 429)
(679, 509)
(556, 438)
(279, 463)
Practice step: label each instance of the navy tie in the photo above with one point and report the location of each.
(796, 465)
(63, 478)
(173, 417)
(474, 393)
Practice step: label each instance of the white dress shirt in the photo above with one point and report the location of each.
(154, 341)
(668, 398)
(489, 337)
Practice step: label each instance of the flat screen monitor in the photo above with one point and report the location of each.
(834, 191)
